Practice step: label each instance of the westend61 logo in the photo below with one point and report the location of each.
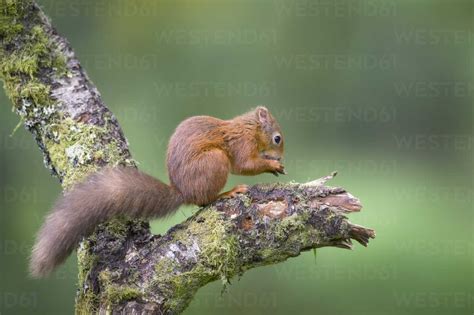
(431, 89)
(434, 248)
(458, 194)
(24, 300)
(308, 62)
(120, 61)
(435, 142)
(354, 272)
(12, 194)
(14, 247)
(336, 8)
(434, 37)
(216, 88)
(339, 113)
(458, 300)
(241, 300)
(120, 8)
(221, 37)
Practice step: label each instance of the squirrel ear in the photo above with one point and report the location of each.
(262, 114)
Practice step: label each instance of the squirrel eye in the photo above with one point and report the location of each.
(277, 139)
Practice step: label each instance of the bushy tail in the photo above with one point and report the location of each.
(112, 191)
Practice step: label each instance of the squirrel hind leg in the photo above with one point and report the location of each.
(201, 179)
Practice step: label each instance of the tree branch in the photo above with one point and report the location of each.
(123, 268)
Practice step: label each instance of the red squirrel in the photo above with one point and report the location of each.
(201, 153)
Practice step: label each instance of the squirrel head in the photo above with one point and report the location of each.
(269, 138)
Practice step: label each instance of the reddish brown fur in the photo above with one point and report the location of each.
(201, 153)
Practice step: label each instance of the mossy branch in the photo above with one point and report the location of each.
(123, 268)
(269, 224)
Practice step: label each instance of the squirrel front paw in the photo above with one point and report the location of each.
(276, 167)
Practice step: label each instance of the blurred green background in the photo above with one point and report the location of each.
(381, 91)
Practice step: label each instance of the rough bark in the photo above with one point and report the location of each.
(123, 268)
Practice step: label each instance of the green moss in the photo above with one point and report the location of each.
(183, 286)
(291, 235)
(35, 91)
(112, 293)
(25, 52)
(10, 13)
(270, 254)
(61, 164)
(115, 294)
(33, 54)
(180, 287)
(59, 65)
(86, 260)
(289, 225)
(22, 63)
(87, 301)
(39, 46)
(117, 227)
(72, 147)
(164, 266)
(220, 249)
(9, 31)
(218, 259)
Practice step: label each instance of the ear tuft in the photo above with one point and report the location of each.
(262, 114)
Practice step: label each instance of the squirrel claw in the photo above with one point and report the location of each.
(279, 171)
